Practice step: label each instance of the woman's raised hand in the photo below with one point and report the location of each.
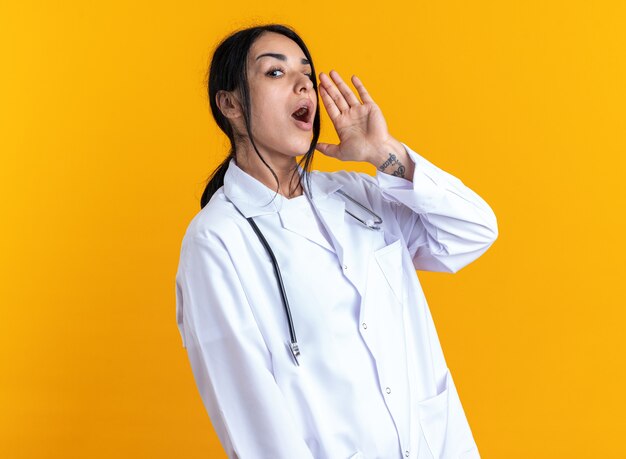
(361, 127)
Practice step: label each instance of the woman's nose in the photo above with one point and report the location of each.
(304, 82)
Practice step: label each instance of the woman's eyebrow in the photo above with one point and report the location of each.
(282, 57)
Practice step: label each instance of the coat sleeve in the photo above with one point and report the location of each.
(229, 359)
(445, 224)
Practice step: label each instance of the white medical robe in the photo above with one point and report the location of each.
(372, 380)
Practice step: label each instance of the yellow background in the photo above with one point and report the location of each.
(106, 139)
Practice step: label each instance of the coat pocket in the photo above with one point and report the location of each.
(357, 455)
(433, 415)
(445, 426)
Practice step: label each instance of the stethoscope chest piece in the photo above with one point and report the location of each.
(295, 351)
(370, 223)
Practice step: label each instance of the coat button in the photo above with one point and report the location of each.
(364, 325)
(345, 267)
(388, 390)
(406, 453)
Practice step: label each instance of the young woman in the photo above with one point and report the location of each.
(296, 293)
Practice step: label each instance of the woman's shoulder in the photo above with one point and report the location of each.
(358, 185)
(217, 220)
(346, 177)
(354, 182)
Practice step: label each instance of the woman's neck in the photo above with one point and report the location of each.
(284, 171)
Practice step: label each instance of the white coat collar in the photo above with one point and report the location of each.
(253, 198)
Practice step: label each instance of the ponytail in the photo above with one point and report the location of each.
(216, 180)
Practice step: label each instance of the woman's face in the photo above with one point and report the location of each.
(279, 78)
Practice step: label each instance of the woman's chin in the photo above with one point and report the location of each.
(301, 148)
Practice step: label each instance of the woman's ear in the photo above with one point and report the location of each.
(229, 104)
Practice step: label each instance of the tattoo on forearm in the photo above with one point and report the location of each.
(399, 172)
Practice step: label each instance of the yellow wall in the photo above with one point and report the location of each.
(106, 139)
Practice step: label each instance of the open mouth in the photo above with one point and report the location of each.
(303, 114)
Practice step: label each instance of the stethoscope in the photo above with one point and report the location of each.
(369, 223)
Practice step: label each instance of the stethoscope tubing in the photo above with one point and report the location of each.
(369, 223)
(281, 287)
(293, 345)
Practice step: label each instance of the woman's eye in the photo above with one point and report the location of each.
(272, 71)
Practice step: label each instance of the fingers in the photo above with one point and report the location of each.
(329, 103)
(345, 90)
(365, 96)
(339, 97)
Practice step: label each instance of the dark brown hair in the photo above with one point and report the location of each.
(228, 72)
